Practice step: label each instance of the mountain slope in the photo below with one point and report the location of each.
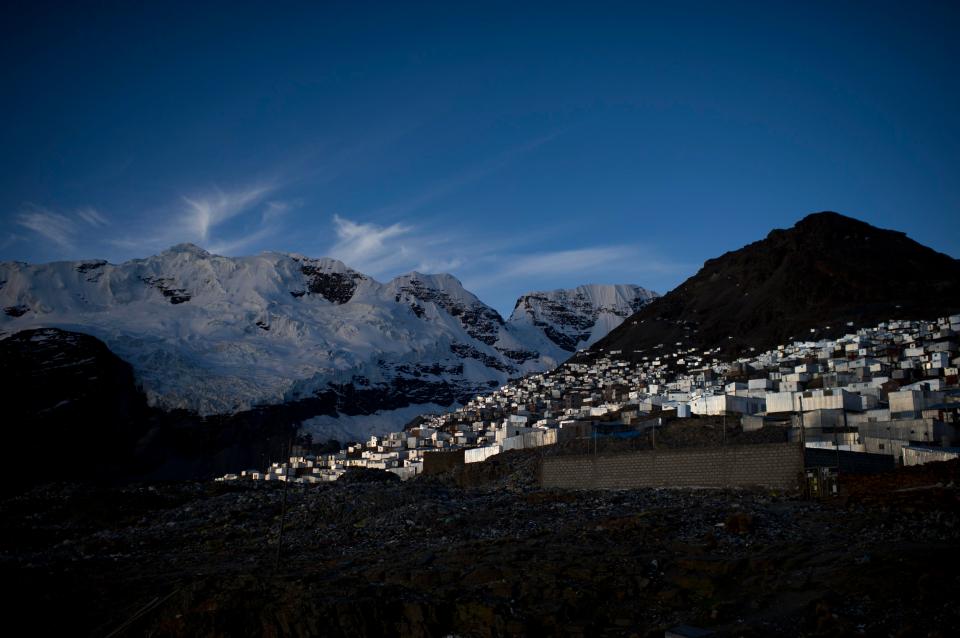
(218, 335)
(823, 272)
(66, 392)
(73, 411)
(573, 319)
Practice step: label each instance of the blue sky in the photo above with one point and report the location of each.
(519, 146)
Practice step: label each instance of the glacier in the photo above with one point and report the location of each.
(218, 335)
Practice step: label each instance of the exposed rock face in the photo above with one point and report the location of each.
(480, 321)
(219, 335)
(91, 268)
(469, 352)
(323, 279)
(518, 356)
(577, 318)
(167, 287)
(216, 335)
(802, 282)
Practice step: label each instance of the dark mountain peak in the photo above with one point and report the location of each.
(806, 281)
(829, 220)
(831, 226)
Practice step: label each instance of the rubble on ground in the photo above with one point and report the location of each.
(430, 557)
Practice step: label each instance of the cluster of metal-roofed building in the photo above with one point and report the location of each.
(891, 389)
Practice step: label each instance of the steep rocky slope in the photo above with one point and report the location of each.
(577, 318)
(806, 281)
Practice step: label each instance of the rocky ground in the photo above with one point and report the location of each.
(484, 552)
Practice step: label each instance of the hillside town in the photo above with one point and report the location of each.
(888, 392)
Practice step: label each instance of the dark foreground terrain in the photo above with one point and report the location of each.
(500, 557)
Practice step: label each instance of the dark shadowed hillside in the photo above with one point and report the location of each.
(71, 406)
(73, 411)
(824, 272)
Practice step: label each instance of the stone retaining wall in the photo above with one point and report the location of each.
(777, 465)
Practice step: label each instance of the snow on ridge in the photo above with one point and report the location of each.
(440, 282)
(578, 317)
(219, 334)
(607, 295)
(357, 428)
(188, 248)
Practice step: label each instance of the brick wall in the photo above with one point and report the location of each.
(776, 465)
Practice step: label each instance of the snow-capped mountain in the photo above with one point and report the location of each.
(577, 318)
(219, 335)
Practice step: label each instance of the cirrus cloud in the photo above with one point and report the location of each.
(60, 228)
(205, 212)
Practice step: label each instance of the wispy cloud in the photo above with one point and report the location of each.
(92, 217)
(370, 247)
(388, 250)
(52, 226)
(238, 244)
(393, 248)
(275, 210)
(568, 261)
(203, 218)
(60, 228)
(494, 268)
(205, 212)
(493, 271)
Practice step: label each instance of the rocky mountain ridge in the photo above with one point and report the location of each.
(219, 335)
(817, 279)
(577, 318)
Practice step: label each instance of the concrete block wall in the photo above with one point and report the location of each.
(915, 455)
(777, 465)
(480, 454)
(850, 462)
(512, 443)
